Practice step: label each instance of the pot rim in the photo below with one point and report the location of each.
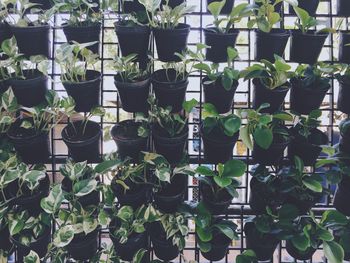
(180, 27)
(274, 32)
(154, 80)
(99, 77)
(120, 124)
(231, 32)
(66, 139)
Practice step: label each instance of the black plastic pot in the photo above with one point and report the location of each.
(4, 85)
(342, 195)
(308, 149)
(136, 196)
(218, 44)
(126, 39)
(219, 248)
(171, 41)
(344, 142)
(5, 32)
(33, 148)
(39, 246)
(131, 6)
(309, 5)
(172, 3)
(227, 7)
(84, 34)
(31, 90)
(86, 94)
(269, 44)
(5, 243)
(172, 148)
(163, 247)
(344, 48)
(343, 8)
(43, 4)
(169, 92)
(216, 205)
(172, 195)
(39, 43)
(305, 100)
(133, 95)
(216, 94)
(299, 255)
(275, 97)
(128, 142)
(344, 95)
(264, 245)
(303, 205)
(306, 47)
(218, 148)
(83, 147)
(83, 247)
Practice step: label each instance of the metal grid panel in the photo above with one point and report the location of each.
(243, 99)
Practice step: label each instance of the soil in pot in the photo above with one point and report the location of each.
(343, 8)
(126, 38)
(40, 40)
(84, 34)
(216, 94)
(129, 144)
(344, 48)
(83, 146)
(137, 195)
(309, 5)
(227, 7)
(308, 149)
(299, 255)
(306, 99)
(344, 95)
(218, 43)
(133, 96)
(39, 246)
(269, 44)
(83, 247)
(163, 247)
(275, 97)
(31, 90)
(219, 247)
(171, 195)
(217, 203)
(218, 148)
(168, 90)
(306, 47)
(32, 147)
(86, 93)
(264, 245)
(171, 41)
(342, 195)
(172, 148)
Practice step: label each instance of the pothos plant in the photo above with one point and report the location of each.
(225, 179)
(227, 76)
(128, 70)
(8, 110)
(305, 124)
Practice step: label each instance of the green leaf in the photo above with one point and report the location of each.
(84, 187)
(53, 201)
(245, 137)
(204, 235)
(234, 168)
(215, 7)
(63, 236)
(204, 246)
(32, 257)
(203, 170)
(189, 105)
(226, 230)
(333, 252)
(222, 181)
(301, 242)
(209, 110)
(312, 184)
(263, 136)
(231, 123)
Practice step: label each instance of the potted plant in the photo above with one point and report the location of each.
(170, 35)
(25, 27)
(170, 130)
(29, 232)
(270, 83)
(218, 188)
(306, 44)
(78, 74)
(307, 140)
(265, 135)
(8, 112)
(82, 137)
(219, 134)
(214, 234)
(219, 37)
(309, 87)
(343, 8)
(343, 77)
(131, 137)
(5, 75)
(133, 83)
(308, 5)
(219, 86)
(28, 80)
(226, 9)
(30, 132)
(83, 24)
(269, 41)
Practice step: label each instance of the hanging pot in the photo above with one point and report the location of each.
(84, 147)
(83, 247)
(133, 95)
(344, 95)
(217, 205)
(227, 7)
(39, 37)
(218, 43)
(303, 205)
(299, 255)
(275, 97)
(171, 41)
(86, 94)
(343, 8)
(129, 144)
(309, 5)
(30, 91)
(342, 195)
(269, 44)
(132, 6)
(219, 247)
(42, 4)
(172, 148)
(5, 243)
(5, 32)
(306, 47)
(4, 85)
(344, 48)
(216, 94)
(168, 90)
(172, 3)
